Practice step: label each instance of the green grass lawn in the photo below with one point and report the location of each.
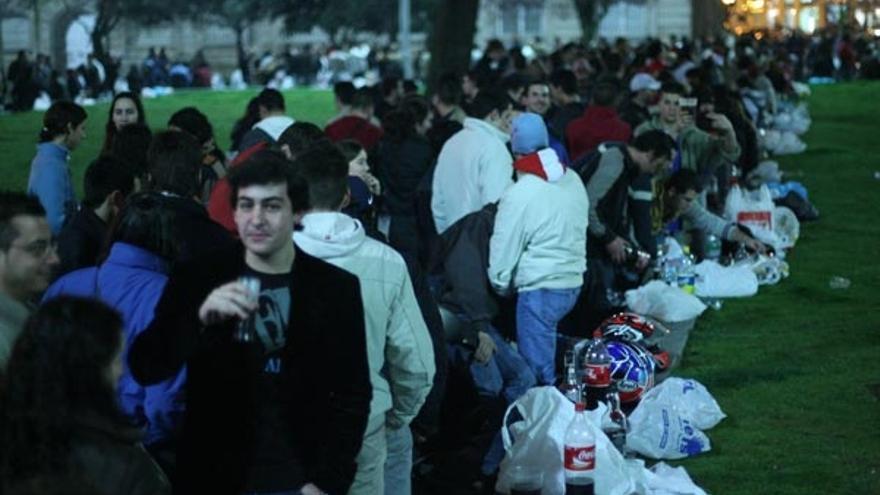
(18, 133)
(797, 368)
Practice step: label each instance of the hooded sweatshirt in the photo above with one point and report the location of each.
(540, 236)
(473, 169)
(399, 349)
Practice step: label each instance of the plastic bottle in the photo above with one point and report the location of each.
(570, 386)
(580, 454)
(687, 275)
(597, 371)
(713, 248)
(617, 431)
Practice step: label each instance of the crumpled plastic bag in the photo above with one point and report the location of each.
(668, 422)
(691, 398)
(786, 226)
(663, 479)
(663, 302)
(716, 281)
(782, 143)
(770, 270)
(538, 440)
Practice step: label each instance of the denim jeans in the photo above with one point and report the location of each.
(506, 374)
(399, 461)
(537, 314)
(370, 475)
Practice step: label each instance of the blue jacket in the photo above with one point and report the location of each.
(131, 280)
(50, 182)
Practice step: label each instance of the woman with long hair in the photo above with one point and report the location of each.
(64, 127)
(131, 278)
(126, 109)
(244, 123)
(59, 415)
(406, 156)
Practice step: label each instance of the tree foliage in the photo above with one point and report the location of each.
(372, 16)
(109, 13)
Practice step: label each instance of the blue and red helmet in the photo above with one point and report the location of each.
(632, 369)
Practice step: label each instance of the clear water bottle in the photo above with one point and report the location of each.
(570, 387)
(597, 371)
(687, 274)
(580, 454)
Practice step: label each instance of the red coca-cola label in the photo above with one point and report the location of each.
(580, 458)
(597, 375)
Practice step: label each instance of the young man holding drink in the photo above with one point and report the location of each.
(284, 411)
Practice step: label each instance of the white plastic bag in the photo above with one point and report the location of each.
(786, 226)
(714, 280)
(663, 302)
(770, 270)
(750, 208)
(691, 398)
(667, 422)
(663, 479)
(538, 440)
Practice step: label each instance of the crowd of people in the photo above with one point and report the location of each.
(830, 54)
(325, 304)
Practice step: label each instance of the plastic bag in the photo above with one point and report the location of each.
(668, 422)
(663, 302)
(780, 189)
(750, 208)
(691, 398)
(770, 270)
(663, 479)
(714, 280)
(538, 440)
(786, 226)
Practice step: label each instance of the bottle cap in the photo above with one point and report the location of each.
(579, 407)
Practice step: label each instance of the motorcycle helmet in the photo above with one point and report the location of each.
(632, 369)
(626, 327)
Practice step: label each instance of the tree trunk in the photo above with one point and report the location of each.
(38, 38)
(101, 33)
(452, 37)
(707, 18)
(590, 13)
(3, 83)
(240, 53)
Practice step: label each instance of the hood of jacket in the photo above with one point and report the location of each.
(543, 163)
(329, 234)
(484, 126)
(274, 126)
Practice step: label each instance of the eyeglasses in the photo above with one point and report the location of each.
(38, 249)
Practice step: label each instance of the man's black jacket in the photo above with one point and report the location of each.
(324, 365)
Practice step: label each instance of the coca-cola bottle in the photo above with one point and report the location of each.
(597, 371)
(580, 455)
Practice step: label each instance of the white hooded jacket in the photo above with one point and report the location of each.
(399, 349)
(540, 235)
(473, 169)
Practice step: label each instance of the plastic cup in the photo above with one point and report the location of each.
(245, 331)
